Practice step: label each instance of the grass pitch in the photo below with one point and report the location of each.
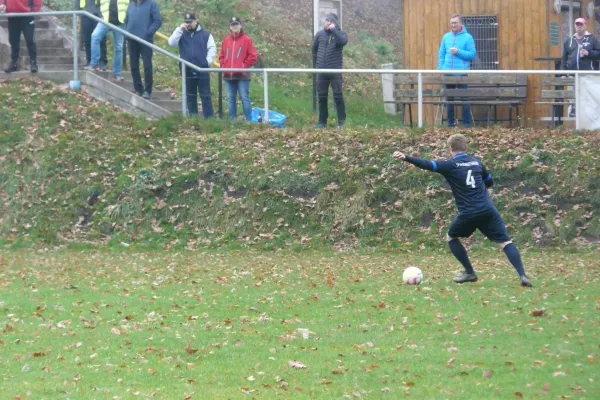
(85, 324)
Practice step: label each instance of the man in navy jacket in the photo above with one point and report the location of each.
(197, 46)
(143, 21)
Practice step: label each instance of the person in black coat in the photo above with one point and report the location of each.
(327, 49)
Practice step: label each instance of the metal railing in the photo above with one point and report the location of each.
(266, 71)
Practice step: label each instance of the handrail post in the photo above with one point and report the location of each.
(75, 55)
(220, 95)
(266, 83)
(184, 109)
(577, 101)
(420, 98)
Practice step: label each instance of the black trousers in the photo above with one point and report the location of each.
(16, 26)
(137, 50)
(87, 27)
(323, 82)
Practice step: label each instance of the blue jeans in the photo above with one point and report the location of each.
(243, 87)
(467, 120)
(198, 82)
(100, 33)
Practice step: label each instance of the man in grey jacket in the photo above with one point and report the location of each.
(143, 20)
(327, 49)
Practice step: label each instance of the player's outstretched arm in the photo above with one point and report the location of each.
(487, 178)
(418, 162)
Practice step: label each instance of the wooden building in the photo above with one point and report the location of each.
(509, 35)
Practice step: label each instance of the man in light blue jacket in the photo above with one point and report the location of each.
(456, 53)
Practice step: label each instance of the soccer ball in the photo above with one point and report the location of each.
(412, 276)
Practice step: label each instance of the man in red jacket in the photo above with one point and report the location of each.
(238, 51)
(16, 25)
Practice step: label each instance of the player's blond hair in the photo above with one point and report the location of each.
(458, 143)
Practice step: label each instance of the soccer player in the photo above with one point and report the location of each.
(469, 181)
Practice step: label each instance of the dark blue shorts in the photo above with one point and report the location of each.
(489, 223)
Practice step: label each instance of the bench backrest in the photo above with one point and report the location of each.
(479, 86)
(558, 88)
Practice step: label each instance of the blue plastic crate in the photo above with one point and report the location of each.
(276, 119)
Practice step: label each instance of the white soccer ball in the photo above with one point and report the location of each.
(412, 276)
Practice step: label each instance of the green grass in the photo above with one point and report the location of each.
(97, 324)
(78, 171)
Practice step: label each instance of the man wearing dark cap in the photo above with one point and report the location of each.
(238, 51)
(327, 50)
(197, 46)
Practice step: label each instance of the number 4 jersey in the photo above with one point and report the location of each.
(468, 180)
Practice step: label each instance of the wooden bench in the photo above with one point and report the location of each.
(482, 90)
(558, 92)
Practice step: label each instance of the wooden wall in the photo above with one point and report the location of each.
(523, 35)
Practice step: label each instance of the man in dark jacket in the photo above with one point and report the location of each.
(197, 46)
(16, 25)
(580, 51)
(327, 50)
(143, 21)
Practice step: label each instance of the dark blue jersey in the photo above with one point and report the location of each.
(468, 180)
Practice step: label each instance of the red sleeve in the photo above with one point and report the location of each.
(222, 53)
(252, 55)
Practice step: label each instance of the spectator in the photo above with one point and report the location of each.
(113, 12)
(456, 53)
(87, 28)
(238, 51)
(143, 21)
(327, 50)
(580, 51)
(197, 46)
(16, 25)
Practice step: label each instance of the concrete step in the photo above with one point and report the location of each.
(40, 23)
(170, 105)
(50, 51)
(48, 59)
(109, 74)
(156, 94)
(42, 34)
(41, 43)
(57, 67)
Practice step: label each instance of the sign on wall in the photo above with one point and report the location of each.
(323, 7)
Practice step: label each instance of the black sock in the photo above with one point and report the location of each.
(461, 255)
(514, 257)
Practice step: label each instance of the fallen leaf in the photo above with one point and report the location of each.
(488, 374)
(519, 395)
(296, 364)
(190, 350)
(538, 313)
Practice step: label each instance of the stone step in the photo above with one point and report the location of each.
(42, 34)
(40, 23)
(48, 59)
(50, 51)
(41, 43)
(57, 67)
(109, 75)
(170, 105)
